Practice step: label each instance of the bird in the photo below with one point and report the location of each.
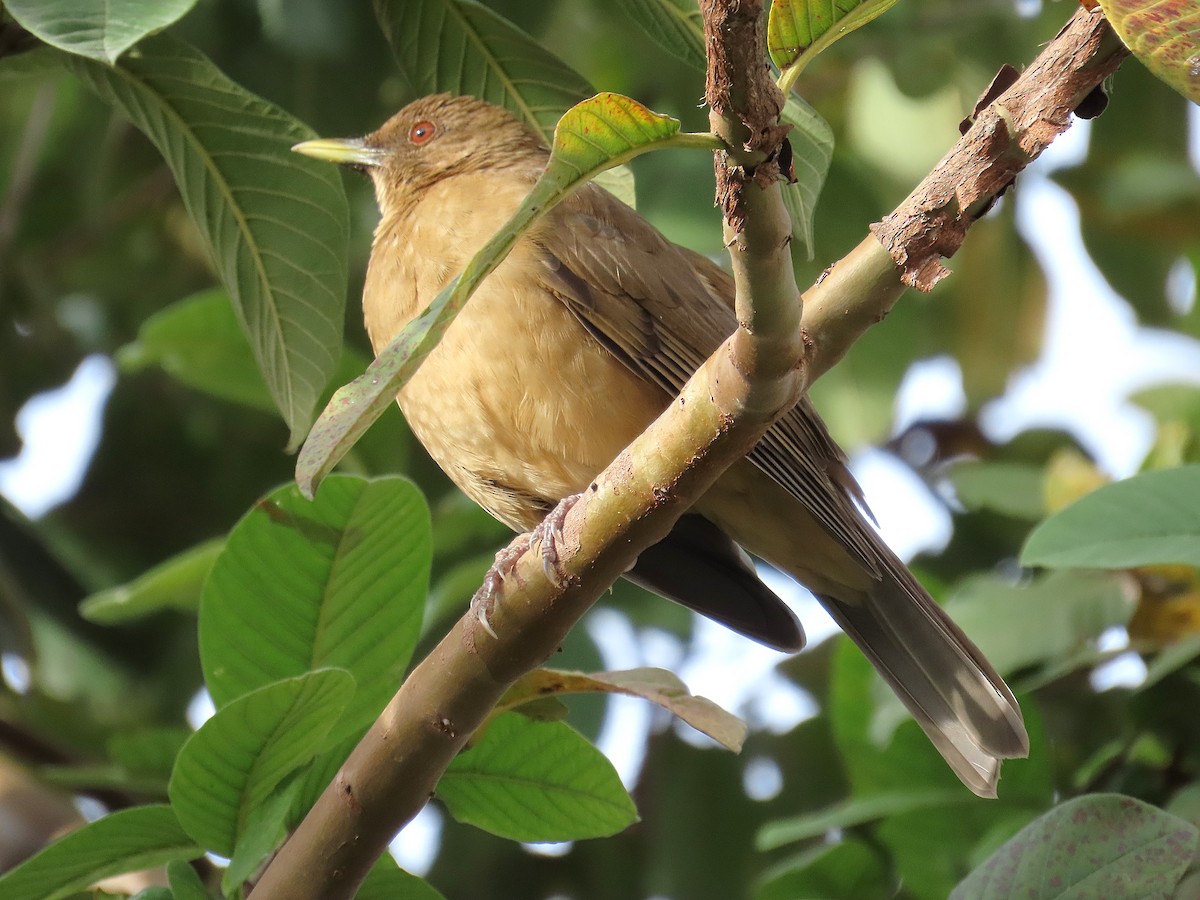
(573, 345)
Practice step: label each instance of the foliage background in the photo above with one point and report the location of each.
(94, 242)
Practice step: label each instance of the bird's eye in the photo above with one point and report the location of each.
(421, 132)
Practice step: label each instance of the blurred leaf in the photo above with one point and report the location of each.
(185, 883)
(387, 881)
(855, 811)
(275, 223)
(462, 47)
(1088, 844)
(675, 25)
(1070, 609)
(124, 841)
(536, 781)
(99, 29)
(1014, 489)
(656, 685)
(592, 136)
(797, 30)
(336, 582)
(1151, 518)
(812, 149)
(846, 869)
(175, 583)
(148, 751)
(1170, 659)
(1164, 35)
(238, 757)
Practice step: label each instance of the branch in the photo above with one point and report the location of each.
(723, 410)
(906, 248)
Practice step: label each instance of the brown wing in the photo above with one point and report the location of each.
(662, 310)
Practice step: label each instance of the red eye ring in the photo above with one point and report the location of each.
(421, 132)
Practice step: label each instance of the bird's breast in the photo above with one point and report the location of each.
(518, 403)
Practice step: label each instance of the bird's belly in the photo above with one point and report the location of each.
(520, 406)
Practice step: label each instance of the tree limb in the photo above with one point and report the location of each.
(725, 407)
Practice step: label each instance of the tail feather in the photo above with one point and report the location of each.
(965, 708)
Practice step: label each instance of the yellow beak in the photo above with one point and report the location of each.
(343, 151)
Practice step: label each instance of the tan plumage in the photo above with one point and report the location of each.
(573, 345)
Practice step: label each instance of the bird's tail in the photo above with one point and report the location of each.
(965, 708)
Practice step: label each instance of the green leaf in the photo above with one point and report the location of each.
(1087, 847)
(240, 755)
(675, 25)
(175, 583)
(1164, 35)
(149, 751)
(276, 223)
(124, 841)
(1152, 518)
(599, 133)
(846, 869)
(199, 342)
(99, 29)
(797, 30)
(185, 883)
(536, 781)
(1014, 489)
(462, 47)
(387, 881)
(336, 582)
(812, 151)
(851, 812)
(265, 830)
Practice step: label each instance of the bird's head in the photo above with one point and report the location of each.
(431, 139)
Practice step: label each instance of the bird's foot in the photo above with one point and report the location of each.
(547, 535)
(484, 600)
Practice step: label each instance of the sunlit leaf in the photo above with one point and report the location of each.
(1164, 35)
(797, 30)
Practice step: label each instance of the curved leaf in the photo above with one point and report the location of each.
(276, 224)
(338, 582)
(812, 151)
(231, 765)
(1164, 35)
(98, 29)
(1149, 519)
(175, 583)
(536, 781)
(595, 135)
(124, 841)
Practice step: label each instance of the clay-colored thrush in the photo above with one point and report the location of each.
(574, 345)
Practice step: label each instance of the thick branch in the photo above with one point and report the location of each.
(907, 246)
(723, 410)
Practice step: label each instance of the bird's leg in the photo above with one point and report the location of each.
(484, 599)
(547, 535)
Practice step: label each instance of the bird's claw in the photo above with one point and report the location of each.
(546, 536)
(484, 600)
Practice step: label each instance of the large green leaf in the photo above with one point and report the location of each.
(1093, 846)
(99, 29)
(337, 582)
(462, 47)
(276, 224)
(812, 151)
(536, 781)
(229, 767)
(1149, 519)
(593, 136)
(387, 881)
(124, 841)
